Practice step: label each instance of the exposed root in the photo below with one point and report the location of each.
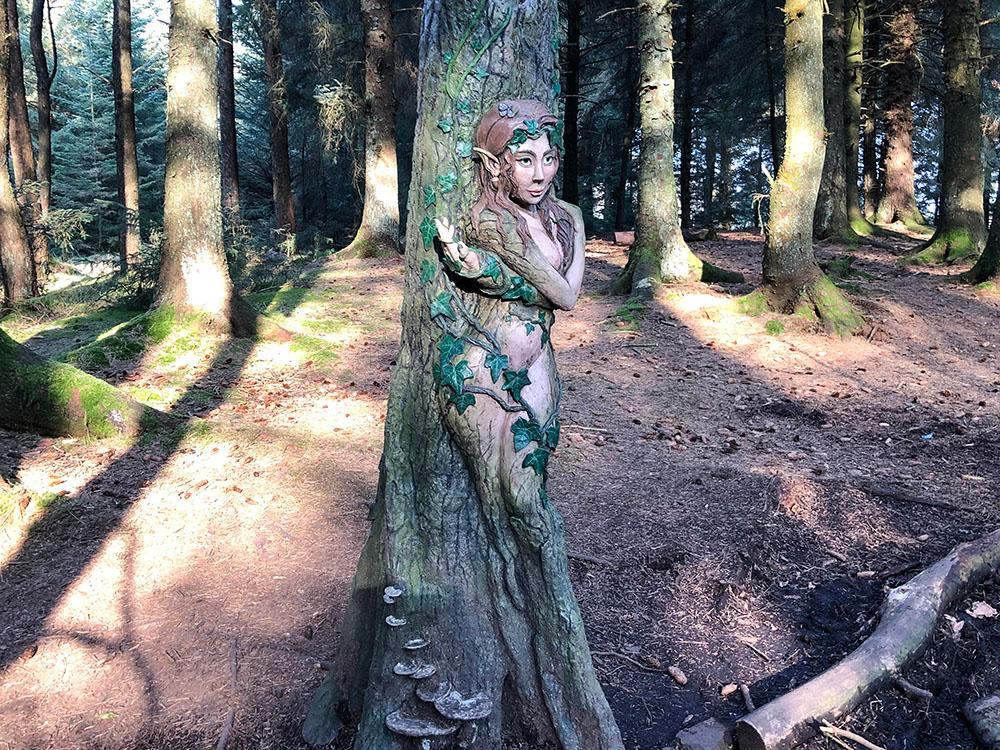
(644, 273)
(946, 246)
(370, 244)
(831, 308)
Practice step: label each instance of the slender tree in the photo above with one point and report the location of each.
(830, 220)
(227, 112)
(194, 276)
(987, 268)
(899, 203)
(870, 178)
(961, 229)
(772, 98)
(629, 116)
(44, 77)
(461, 622)
(793, 280)
(126, 158)
(571, 111)
(277, 109)
(15, 248)
(854, 22)
(660, 253)
(687, 111)
(379, 230)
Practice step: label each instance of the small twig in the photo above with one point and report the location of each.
(757, 651)
(836, 555)
(629, 659)
(226, 729)
(829, 729)
(588, 558)
(635, 345)
(578, 426)
(913, 691)
(746, 698)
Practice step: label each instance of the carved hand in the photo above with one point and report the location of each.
(458, 252)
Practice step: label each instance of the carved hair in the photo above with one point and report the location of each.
(495, 144)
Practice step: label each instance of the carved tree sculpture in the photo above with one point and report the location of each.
(462, 622)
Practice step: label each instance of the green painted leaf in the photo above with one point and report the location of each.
(481, 73)
(537, 460)
(445, 124)
(556, 135)
(525, 432)
(520, 136)
(520, 289)
(556, 88)
(491, 268)
(462, 401)
(454, 376)
(428, 230)
(497, 364)
(447, 182)
(427, 270)
(429, 197)
(529, 328)
(450, 347)
(476, 45)
(451, 264)
(531, 126)
(555, 43)
(552, 435)
(464, 106)
(514, 382)
(464, 149)
(447, 57)
(442, 306)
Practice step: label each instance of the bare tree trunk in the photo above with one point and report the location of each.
(687, 108)
(961, 230)
(277, 108)
(725, 197)
(125, 141)
(227, 112)
(772, 120)
(708, 185)
(44, 78)
(899, 202)
(631, 102)
(830, 220)
(459, 580)
(793, 280)
(571, 108)
(379, 230)
(853, 83)
(15, 248)
(871, 180)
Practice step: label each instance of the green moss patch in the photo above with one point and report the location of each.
(774, 327)
(753, 304)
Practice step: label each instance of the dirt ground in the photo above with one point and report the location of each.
(738, 500)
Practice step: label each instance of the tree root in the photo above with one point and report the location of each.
(370, 244)
(823, 301)
(946, 246)
(644, 274)
(908, 619)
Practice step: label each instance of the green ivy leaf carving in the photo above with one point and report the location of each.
(514, 382)
(497, 364)
(556, 135)
(464, 106)
(445, 124)
(525, 432)
(427, 230)
(447, 57)
(520, 289)
(480, 73)
(427, 270)
(450, 347)
(462, 401)
(447, 181)
(464, 149)
(555, 43)
(442, 306)
(454, 375)
(537, 460)
(491, 268)
(556, 87)
(529, 328)
(520, 136)
(429, 198)
(531, 126)
(552, 435)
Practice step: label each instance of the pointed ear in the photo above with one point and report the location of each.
(491, 162)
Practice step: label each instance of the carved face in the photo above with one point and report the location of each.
(534, 167)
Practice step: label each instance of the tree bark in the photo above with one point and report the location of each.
(44, 79)
(631, 103)
(51, 398)
(687, 108)
(15, 248)
(987, 268)
(853, 83)
(379, 230)
(571, 108)
(481, 577)
(830, 220)
(898, 202)
(227, 113)
(725, 197)
(793, 280)
(277, 110)
(961, 229)
(125, 140)
(772, 120)
(708, 184)
(22, 155)
(871, 182)
(194, 275)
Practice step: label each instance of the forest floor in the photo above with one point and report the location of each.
(739, 493)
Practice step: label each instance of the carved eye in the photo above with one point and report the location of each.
(524, 161)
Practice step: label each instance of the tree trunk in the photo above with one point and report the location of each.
(853, 82)
(480, 589)
(631, 103)
(793, 280)
(194, 276)
(227, 113)
(772, 120)
(277, 109)
(125, 143)
(830, 220)
(51, 398)
(871, 181)
(687, 107)
(961, 230)
(708, 185)
(15, 248)
(987, 268)
(659, 253)
(44, 78)
(571, 111)
(725, 197)
(22, 156)
(899, 202)
(379, 230)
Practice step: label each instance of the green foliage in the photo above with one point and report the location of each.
(753, 304)
(514, 381)
(537, 460)
(442, 306)
(630, 311)
(525, 432)
(496, 363)
(774, 327)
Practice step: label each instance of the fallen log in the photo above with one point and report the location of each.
(907, 621)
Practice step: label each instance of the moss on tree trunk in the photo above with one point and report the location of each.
(277, 109)
(961, 230)
(659, 253)
(793, 280)
(51, 398)
(480, 592)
